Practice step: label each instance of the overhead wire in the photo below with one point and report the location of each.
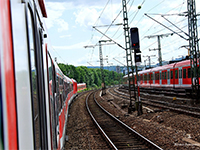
(95, 24)
(120, 13)
(113, 22)
(140, 18)
(166, 13)
(136, 12)
(164, 28)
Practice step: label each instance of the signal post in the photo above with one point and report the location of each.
(135, 45)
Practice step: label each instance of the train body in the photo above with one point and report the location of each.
(175, 75)
(81, 86)
(34, 94)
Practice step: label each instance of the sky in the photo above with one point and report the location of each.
(75, 28)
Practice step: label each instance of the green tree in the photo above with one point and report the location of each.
(92, 77)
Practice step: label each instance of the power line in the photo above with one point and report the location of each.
(166, 27)
(166, 13)
(97, 21)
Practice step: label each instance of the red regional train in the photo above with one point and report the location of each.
(81, 86)
(34, 94)
(174, 75)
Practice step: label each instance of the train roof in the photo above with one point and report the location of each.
(73, 80)
(69, 80)
(81, 83)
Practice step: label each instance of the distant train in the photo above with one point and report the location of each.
(34, 93)
(175, 75)
(81, 86)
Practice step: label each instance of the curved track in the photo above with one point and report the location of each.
(117, 134)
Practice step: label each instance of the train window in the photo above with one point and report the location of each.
(176, 74)
(58, 94)
(189, 72)
(165, 75)
(61, 91)
(52, 89)
(145, 77)
(184, 73)
(66, 88)
(36, 114)
(152, 77)
(172, 74)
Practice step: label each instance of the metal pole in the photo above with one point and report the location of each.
(102, 71)
(139, 103)
(159, 52)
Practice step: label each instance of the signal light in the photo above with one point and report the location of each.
(135, 42)
(137, 58)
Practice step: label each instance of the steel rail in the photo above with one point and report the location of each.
(98, 126)
(148, 142)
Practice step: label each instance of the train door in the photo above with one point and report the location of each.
(150, 78)
(180, 76)
(186, 75)
(172, 77)
(157, 77)
(168, 76)
(176, 79)
(160, 79)
(37, 77)
(153, 77)
(145, 78)
(164, 77)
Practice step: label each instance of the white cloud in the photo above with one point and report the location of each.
(65, 36)
(89, 16)
(86, 17)
(55, 11)
(63, 26)
(70, 47)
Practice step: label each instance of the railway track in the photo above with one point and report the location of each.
(116, 133)
(193, 111)
(165, 91)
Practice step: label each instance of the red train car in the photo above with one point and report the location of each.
(81, 86)
(74, 86)
(175, 75)
(34, 94)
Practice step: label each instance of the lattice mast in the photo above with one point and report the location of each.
(130, 68)
(193, 46)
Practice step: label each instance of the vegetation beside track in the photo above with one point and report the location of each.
(92, 77)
